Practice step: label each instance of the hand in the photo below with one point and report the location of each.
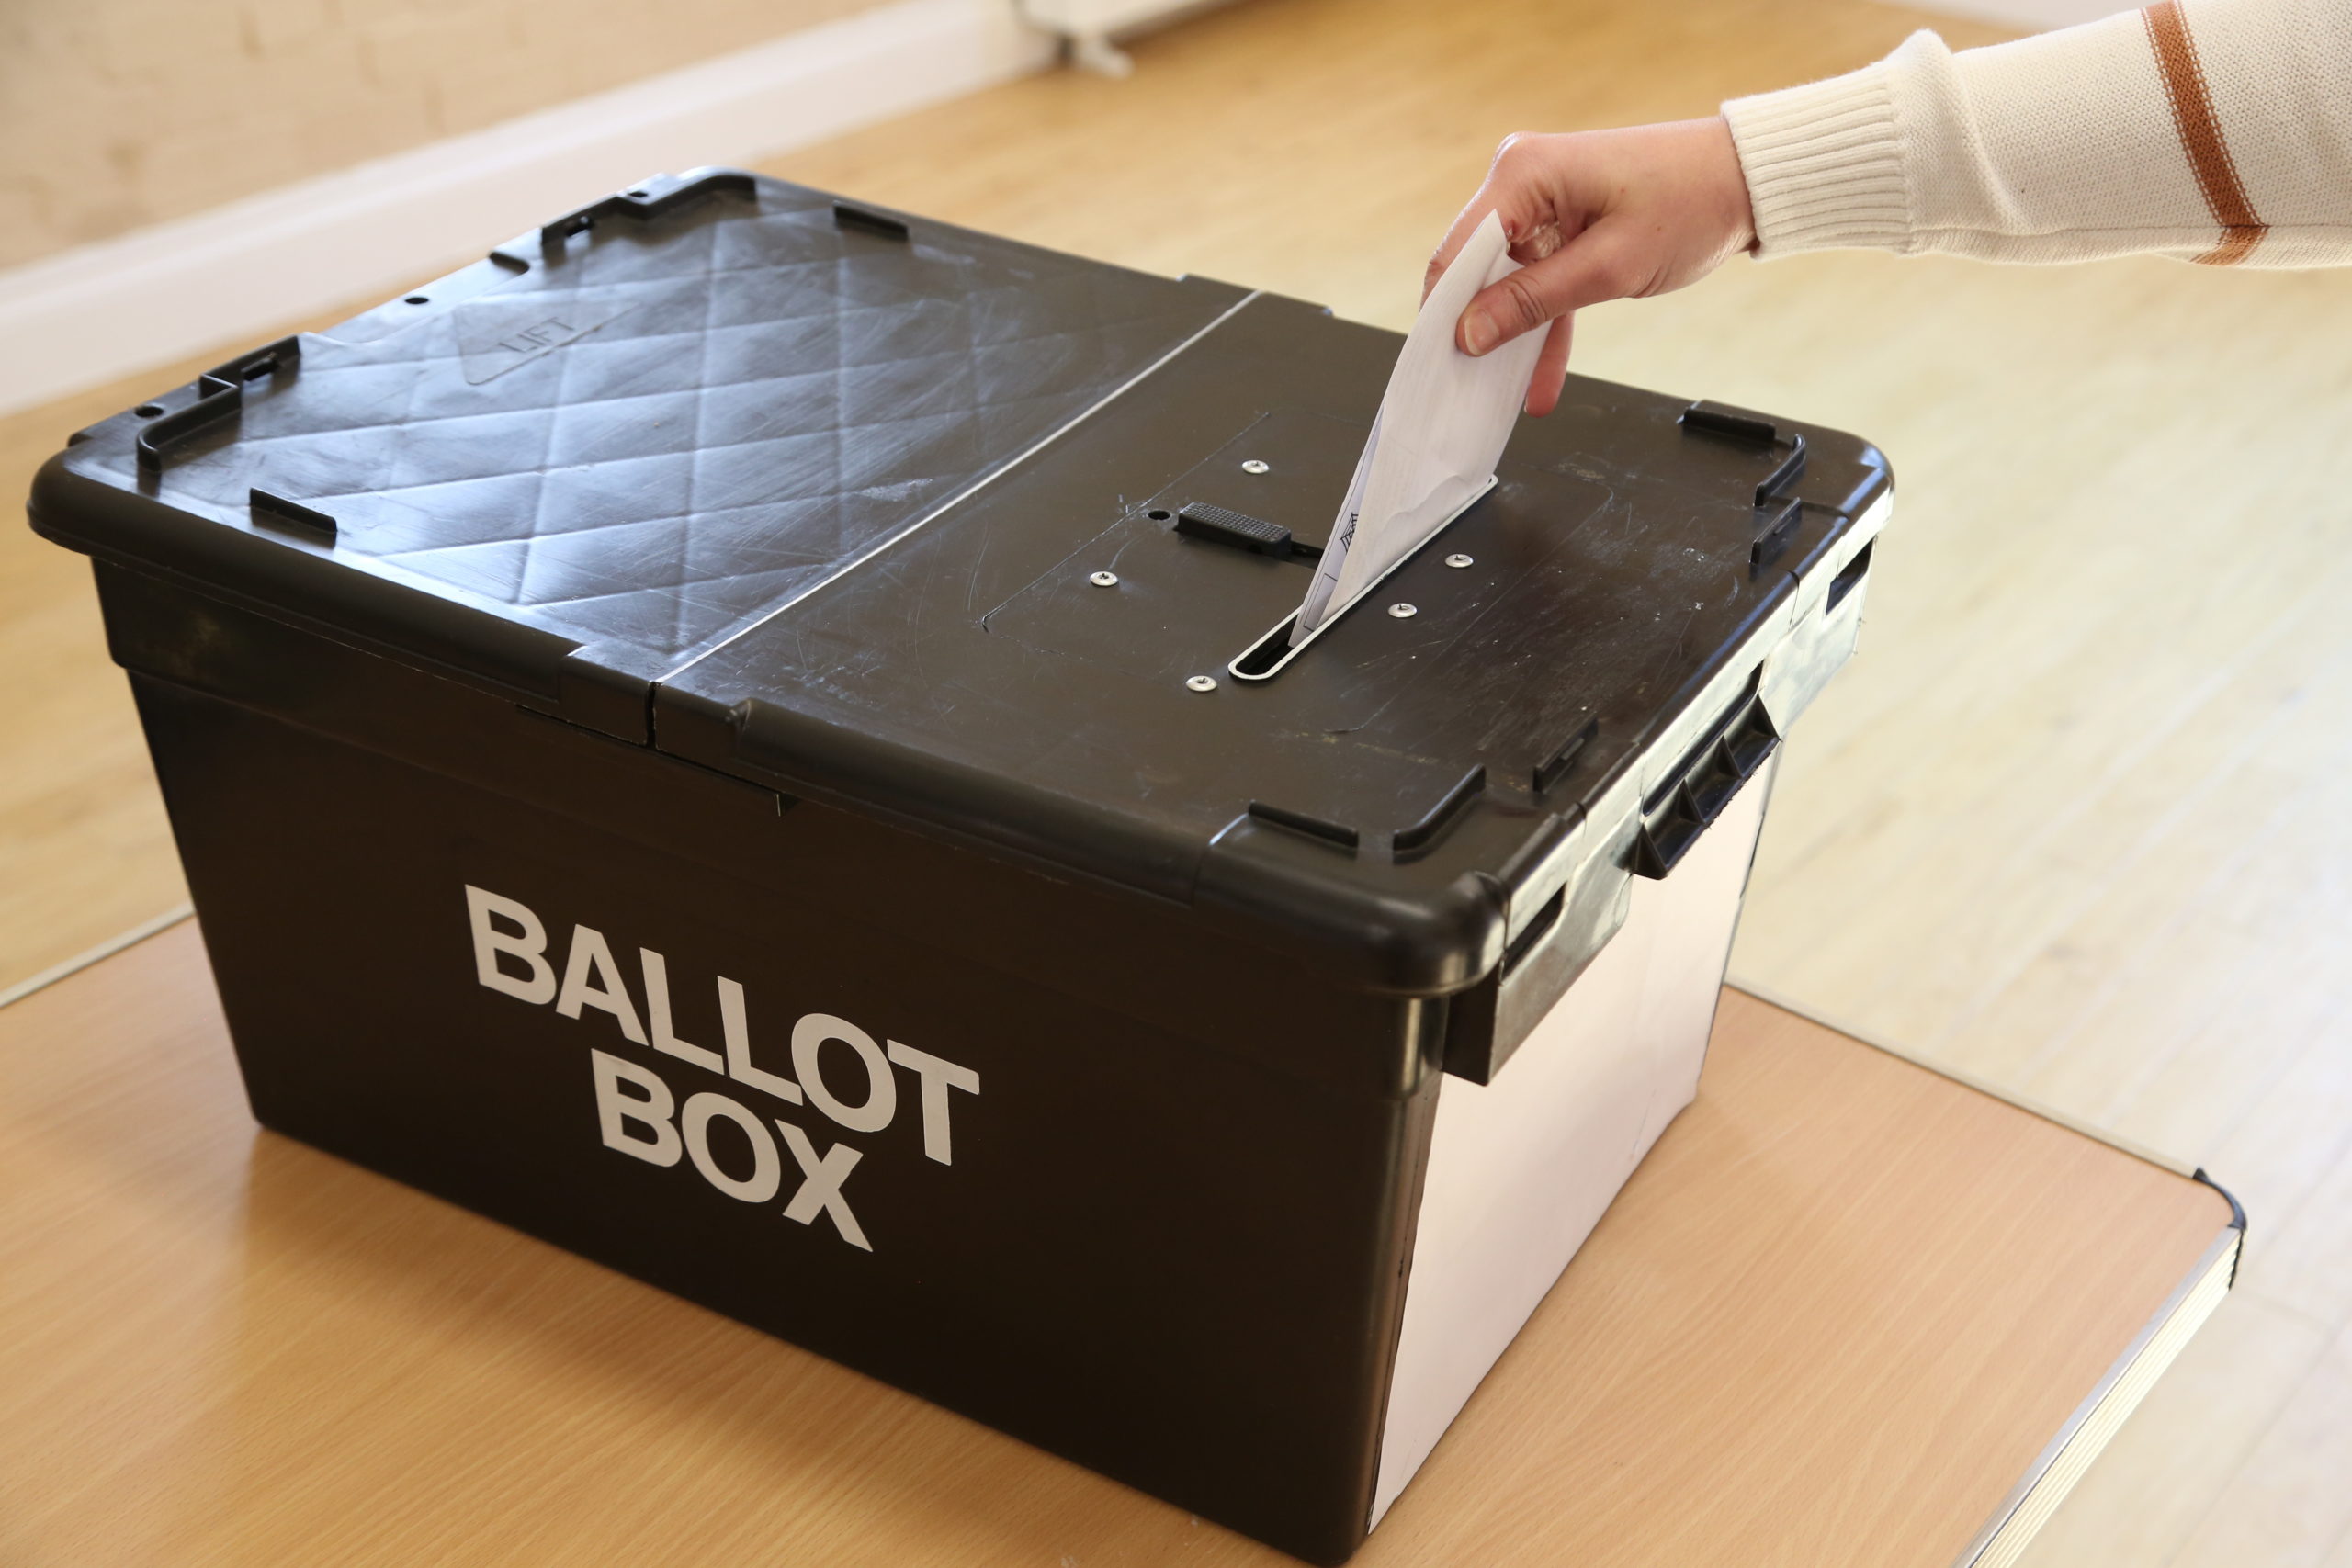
(1594, 216)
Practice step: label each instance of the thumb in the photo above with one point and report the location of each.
(1596, 267)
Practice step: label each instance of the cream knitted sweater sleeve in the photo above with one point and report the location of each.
(2214, 130)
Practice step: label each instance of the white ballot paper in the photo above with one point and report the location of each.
(1434, 444)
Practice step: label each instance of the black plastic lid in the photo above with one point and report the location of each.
(958, 532)
(633, 434)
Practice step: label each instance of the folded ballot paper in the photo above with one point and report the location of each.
(1434, 444)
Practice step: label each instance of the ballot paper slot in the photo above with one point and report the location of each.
(1184, 585)
(1273, 653)
(1269, 654)
(1170, 591)
(1164, 603)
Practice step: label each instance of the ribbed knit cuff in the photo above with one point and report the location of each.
(1824, 165)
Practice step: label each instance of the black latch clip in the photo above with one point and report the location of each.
(220, 392)
(656, 198)
(1714, 419)
(1222, 526)
(1777, 511)
(848, 215)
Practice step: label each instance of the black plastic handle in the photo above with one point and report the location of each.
(1730, 754)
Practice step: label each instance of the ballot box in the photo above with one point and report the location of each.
(742, 735)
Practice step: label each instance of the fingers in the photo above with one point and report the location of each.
(1551, 369)
(1509, 189)
(1596, 267)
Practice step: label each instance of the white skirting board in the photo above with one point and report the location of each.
(223, 278)
(2038, 16)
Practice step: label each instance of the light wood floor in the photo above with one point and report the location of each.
(2072, 822)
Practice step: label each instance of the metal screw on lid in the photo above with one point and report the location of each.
(1104, 580)
(1252, 465)
(1403, 612)
(1201, 684)
(1458, 560)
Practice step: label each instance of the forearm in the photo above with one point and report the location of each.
(2216, 130)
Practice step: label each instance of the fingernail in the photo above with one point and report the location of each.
(1477, 331)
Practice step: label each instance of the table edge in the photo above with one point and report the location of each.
(2094, 1423)
(42, 980)
(2173, 1163)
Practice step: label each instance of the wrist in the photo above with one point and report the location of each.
(1737, 203)
(1822, 166)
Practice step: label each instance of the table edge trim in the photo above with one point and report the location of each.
(1771, 998)
(156, 926)
(2094, 1423)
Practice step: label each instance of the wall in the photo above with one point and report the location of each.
(115, 114)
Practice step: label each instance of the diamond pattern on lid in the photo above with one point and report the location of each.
(764, 397)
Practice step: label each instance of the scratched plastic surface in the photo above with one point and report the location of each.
(1612, 576)
(825, 504)
(674, 425)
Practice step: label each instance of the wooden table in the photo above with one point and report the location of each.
(1849, 1311)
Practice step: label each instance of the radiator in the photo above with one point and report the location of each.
(1091, 26)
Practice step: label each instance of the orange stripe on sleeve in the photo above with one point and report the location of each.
(2201, 135)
